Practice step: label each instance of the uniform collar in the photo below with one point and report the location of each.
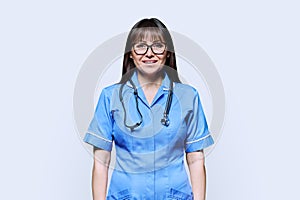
(163, 89)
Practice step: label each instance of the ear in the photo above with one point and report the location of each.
(168, 55)
(130, 55)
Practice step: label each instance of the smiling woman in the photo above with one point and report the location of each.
(152, 118)
(149, 59)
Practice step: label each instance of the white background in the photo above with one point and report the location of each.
(254, 45)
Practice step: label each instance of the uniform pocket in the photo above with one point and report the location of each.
(178, 195)
(123, 195)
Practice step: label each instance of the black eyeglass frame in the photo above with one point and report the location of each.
(150, 47)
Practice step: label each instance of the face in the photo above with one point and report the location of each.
(149, 61)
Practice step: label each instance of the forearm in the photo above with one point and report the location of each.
(100, 174)
(197, 174)
(99, 182)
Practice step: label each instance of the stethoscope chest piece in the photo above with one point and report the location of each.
(165, 121)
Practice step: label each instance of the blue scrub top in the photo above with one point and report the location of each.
(149, 159)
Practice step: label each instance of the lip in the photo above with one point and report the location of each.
(149, 61)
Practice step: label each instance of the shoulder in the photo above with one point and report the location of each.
(187, 95)
(110, 89)
(185, 89)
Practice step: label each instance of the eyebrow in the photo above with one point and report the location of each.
(152, 41)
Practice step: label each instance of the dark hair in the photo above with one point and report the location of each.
(156, 29)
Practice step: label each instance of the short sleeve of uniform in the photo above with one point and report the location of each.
(99, 133)
(198, 134)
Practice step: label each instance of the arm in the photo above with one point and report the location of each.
(100, 173)
(195, 161)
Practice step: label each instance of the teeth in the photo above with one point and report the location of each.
(147, 62)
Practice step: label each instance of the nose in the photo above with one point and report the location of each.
(149, 53)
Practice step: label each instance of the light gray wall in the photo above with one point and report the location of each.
(254, 45)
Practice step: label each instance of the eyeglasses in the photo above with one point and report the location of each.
(157, 48)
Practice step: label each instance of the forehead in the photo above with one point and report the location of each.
(147, 34)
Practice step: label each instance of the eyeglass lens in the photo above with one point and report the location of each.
(142, 48)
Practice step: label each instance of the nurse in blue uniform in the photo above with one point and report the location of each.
(152, 119)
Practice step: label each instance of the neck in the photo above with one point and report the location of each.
(147, 81)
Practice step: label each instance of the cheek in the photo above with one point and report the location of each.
(163, 58)
(135, 58)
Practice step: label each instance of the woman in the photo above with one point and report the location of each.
(152, 118)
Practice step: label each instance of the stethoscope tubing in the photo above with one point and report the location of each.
(165, 120)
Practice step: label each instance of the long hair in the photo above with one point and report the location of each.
(157, 30)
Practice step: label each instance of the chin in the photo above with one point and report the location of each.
(150, 69)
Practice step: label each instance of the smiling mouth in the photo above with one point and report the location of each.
(149, 61)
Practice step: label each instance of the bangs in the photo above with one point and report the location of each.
(146, 33)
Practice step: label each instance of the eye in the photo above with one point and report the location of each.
(158, 45)
(140, 45)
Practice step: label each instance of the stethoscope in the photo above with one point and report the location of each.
(164, 121)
